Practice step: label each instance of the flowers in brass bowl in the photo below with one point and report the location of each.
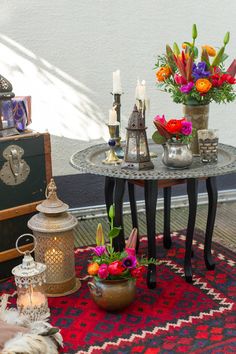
(173, 130)
(196, 77)
(107, 264)
(114, 273)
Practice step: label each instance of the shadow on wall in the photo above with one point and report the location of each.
(60, 103)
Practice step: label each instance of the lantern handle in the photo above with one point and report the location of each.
(50, 188)
(35, 243)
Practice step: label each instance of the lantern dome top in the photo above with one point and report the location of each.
(136, 120)
(5, 88)
(52, 204)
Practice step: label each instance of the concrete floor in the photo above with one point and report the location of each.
(224, 231)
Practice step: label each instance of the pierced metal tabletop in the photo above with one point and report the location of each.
(90, 161)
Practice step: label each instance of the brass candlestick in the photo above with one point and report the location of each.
(112, 158)
(118, 148)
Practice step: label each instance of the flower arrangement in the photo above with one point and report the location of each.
(191, 78)
(174, 130)
(106, 264)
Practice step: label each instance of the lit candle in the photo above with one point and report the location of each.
(142, 90)
(4, 123)
(112, 117)
(117, 82)
(54, 257)
(31, 298)
(137, 90)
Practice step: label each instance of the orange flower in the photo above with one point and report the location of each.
(210, 50)
(203, 85)
(93, 268)
(163, 73)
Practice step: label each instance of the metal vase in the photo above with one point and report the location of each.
(198, 115)
(113, 295)
(177, 155)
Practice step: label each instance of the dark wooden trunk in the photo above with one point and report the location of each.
(18, 201)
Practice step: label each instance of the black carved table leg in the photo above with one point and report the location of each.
(212, 206)
(150, 192)
(119, 241)
(167, 205)
(192, 185)
(133, 207)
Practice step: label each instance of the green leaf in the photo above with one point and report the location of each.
(195, 52)
(218, 58)
(114, 232)
(224, 57)
(176, 48)
(188, 44)
(158, 138)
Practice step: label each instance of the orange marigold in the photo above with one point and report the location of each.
(210, 50)
(163, 73)
(203, 85)
(93, 268)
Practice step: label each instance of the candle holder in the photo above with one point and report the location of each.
(118, 148)
(112, 158)
(30, 277)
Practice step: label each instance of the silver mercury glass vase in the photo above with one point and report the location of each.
(177, 155)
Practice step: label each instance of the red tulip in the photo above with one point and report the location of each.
(115, 268)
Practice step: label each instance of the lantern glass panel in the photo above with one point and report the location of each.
(143, 145)
(55, 251)
(7, 116)
(132, 147)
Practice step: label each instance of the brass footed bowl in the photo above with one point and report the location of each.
(113, 295)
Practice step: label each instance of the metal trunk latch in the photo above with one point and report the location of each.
(15, 171)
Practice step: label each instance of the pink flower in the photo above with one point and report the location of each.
(186, 128)
(180, 80)
(160, 119)
(103, 271)
(187, 88)
(130, 251)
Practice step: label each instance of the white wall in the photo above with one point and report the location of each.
(63, 54)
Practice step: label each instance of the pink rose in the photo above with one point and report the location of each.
(103, 271)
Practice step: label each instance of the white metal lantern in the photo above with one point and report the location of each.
(30, 277)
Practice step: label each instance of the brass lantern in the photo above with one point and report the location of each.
(53, 229)
(137, 155)
(30, 277)
(7, 122)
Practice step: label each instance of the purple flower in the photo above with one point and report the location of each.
(103, 271)
(129, 262)
(187, 88)
(186, 128)
(130, 251)
(200, 70)
(99, 250)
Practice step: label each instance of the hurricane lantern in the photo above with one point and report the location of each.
(7, 122)
(137, 155)
(53, 228)
(30, 277)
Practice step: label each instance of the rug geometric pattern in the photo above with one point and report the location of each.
(176, 317)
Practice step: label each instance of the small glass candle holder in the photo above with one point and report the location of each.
(208, 145)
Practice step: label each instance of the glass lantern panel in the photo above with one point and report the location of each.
(143, 145)
(131, 147)
(31, 296)
(6, 112)
(57, 252)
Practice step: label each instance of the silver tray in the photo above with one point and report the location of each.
(90, 161)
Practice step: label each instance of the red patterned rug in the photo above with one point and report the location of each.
(176, 317)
